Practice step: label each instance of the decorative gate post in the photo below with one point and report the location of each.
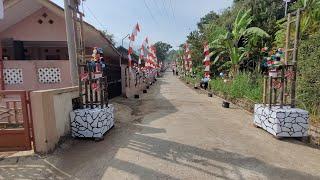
(278, 117)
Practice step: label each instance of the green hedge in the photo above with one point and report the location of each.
(243, 86)
(309, 76)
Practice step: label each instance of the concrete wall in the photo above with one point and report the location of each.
(30, 76)
(129, 87)
(29, 29)
(50, 111)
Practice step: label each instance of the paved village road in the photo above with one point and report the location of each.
(174, 132)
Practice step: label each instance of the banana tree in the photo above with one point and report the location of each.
(232, 44)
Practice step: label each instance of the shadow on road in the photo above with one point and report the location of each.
(91, 160)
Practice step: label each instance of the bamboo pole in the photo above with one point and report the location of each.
(275, 95)
(265, 86)
(90, 85)
(282, 87)
(86, 92)
(270, 91)
(294, 60)
(287, 39)
(101, 92)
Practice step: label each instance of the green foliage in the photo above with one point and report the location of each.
(196, 47)
(207, 19)
(191, 80)
(228, 44)
(309, 71)
(162, 49)
(310, 21)
(236, 37)
(171, 56)
(240, 87)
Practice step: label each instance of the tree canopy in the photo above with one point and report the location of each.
(162, 50)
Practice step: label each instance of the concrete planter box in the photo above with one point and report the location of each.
(282, 122)
(91, 123)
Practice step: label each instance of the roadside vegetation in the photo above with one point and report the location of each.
(236, 37)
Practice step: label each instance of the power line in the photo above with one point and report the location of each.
(165, 9)
(103, 27)
(158, 7)
(99, 22)
(173, 15)
(154, 19)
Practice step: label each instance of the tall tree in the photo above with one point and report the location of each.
(162, 49)
(196, 47)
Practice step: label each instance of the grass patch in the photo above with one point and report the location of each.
(245, 85)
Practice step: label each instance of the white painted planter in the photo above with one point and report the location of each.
(91, 123)
(282, 122)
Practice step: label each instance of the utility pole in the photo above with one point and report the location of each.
(69, 7)
(122, 46)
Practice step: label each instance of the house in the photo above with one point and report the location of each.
(34, 47)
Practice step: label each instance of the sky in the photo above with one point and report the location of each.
(160, 20)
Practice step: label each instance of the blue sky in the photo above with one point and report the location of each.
(161, 20)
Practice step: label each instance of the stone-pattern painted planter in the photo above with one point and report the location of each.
(91, 123)
(282, 122)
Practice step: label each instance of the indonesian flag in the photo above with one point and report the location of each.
(132, 37)
(145, 43)
(1, 9)
(135, 31)
(137, 27)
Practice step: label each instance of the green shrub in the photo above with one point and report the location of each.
(309, 75)
(241, 86)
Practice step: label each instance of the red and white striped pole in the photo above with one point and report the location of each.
(206, 60)
(188, 61)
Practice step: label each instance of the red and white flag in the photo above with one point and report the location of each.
(132, 39)
(135, 31)
(137, 27)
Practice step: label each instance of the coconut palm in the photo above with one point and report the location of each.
(232, 44)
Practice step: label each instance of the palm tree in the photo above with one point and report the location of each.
(232, 43)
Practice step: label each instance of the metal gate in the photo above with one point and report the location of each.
(114, 81)
(16, 131)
